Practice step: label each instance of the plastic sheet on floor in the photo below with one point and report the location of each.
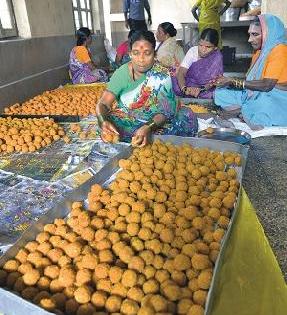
(250, 282)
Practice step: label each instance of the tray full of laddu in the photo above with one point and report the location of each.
(145, 235)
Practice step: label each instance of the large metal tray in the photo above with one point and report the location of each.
(10, 303)
(57, 118)
(226, 134)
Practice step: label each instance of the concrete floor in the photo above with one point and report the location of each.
(266, 185)
(265, 181)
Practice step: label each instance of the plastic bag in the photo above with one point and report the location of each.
(111, 51)
(254, 4)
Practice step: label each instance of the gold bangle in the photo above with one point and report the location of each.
(183, 89)
(152, 125)
(238, 84)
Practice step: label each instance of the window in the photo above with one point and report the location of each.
(7, 20)
(82, 14)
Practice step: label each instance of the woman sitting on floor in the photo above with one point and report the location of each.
(123, 56)
(82, 67)
(262, 97)
(145, 101)
(168, 53)
(201, 65)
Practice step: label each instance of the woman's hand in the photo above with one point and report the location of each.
(109, 132)
(192, 91)
(222, 81)
(141, 136)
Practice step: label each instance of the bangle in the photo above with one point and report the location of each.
(183, 89)
(238, 84)
(101, 120)
(152, 125)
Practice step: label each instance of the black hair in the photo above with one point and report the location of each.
(82, 34)
(168, 28)
(210, 35)
(256, 21)
(143, 35)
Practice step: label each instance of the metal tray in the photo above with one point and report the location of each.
(13, 304)
(226, 134)
(57, 118)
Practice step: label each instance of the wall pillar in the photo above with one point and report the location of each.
(278, 8)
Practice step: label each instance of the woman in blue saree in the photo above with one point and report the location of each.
(262, 97)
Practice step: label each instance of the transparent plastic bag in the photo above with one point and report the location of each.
(111, 51)
(254, 4)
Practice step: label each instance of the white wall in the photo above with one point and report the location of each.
(174, 11)
(276, 7)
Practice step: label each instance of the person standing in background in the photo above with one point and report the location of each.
(134, 14)
(209, 16)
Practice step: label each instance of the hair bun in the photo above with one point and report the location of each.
(168, 28)
(172, 31)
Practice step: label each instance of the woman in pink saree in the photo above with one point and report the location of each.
(201, 65)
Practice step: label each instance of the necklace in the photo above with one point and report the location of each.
(133, 73)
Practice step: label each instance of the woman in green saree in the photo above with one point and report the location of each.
(142, 89)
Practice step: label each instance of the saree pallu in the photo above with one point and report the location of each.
(137, 106)
(201, 73)
(266, 109)
(169, 53)
(81, 72)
